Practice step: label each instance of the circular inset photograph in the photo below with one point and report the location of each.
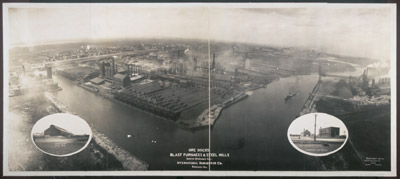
(317, 134)
(61, 134)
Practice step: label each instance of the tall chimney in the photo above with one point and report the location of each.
(195, 64)
(213, 62)
(49, 72)
(102, 69)
(315, 128)
(113, 67)
(127, 70)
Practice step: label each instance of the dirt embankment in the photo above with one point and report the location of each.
(24, 111)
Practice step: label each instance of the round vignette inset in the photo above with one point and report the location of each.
(301, 133)
(61, 132)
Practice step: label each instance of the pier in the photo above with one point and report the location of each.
(310, 102)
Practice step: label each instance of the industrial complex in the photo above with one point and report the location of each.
(188, 85)
(170, 82)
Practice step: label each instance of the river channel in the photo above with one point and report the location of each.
(253, 131)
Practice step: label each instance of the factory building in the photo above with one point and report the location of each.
(142, 99)
(121, 81)
(57, 131)
(205, 67)
(52, 86)
(97, 81)
(306, 133)
(49, 72)
(108, 70)
(199, 79)
(220, 80)
(102, 70)
(383, 81)
(329, 132)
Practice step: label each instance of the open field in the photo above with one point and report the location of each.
(318, 147)
(60, 145)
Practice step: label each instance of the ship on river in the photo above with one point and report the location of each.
(290, 96)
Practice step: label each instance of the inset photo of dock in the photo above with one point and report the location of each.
(61, 134)
(317, 134)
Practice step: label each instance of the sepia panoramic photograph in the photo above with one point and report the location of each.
(199, 88)
(61, 134)
(317, 134)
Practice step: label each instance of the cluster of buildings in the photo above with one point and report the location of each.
(37, 81)
(365, 86)
(86, 51)
(164, 91)
(327, 132)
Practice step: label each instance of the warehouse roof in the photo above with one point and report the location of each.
(222, 77)
(119, 77)
(60, 129)
(97, 80)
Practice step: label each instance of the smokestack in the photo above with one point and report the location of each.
(213, 62)
(49, 72)
(113, 67)
(127, 70)
(179, 54)
(350, 79)
(102, 69)
(130, 70)
(320, 72)
(195, 64)
(315, 128)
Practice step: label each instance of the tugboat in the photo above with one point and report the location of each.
(290, 96)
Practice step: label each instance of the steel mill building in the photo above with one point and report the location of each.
(57, 131)
(329, 132)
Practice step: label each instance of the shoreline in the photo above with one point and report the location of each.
(128, 161)
(130, 106)
(198, 124)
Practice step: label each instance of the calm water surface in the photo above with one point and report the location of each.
(253, 131)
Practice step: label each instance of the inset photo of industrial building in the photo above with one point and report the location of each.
(61, 134)
(317, 134)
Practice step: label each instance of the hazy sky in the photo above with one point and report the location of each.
(323, 120)
(354, 31)
(72, 123)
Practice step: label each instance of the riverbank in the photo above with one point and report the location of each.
(366, 118)
(215, 111)
(309, 105)
(111, 98)
(24, 111)
(199, 122)
(128, 161)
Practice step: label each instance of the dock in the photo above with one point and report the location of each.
(310, 102)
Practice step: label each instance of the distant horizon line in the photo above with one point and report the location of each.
(86, 40)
